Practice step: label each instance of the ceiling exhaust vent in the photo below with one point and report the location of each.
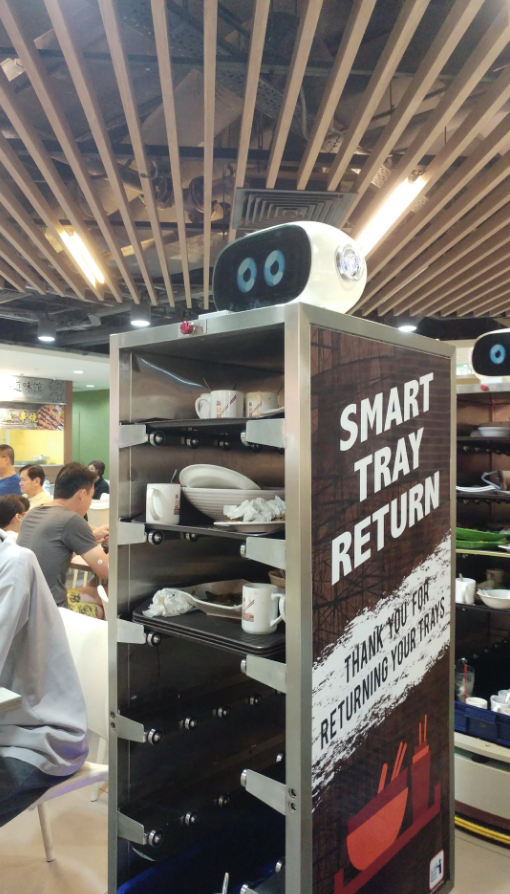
(256, 209)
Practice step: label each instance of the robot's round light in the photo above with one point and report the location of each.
(246, 274)
(350, 263)
(274, 267)
(497, 353)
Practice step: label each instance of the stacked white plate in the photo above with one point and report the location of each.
(210, 488)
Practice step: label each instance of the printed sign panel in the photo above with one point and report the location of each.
(25, 388)
(33, 416)
(381, 554)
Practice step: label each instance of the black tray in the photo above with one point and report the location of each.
(221, 633)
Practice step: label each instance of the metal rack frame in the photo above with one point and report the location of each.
(294, 798)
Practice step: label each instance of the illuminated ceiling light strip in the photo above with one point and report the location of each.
(70, 46)
(80, 252)
(480, 59)
(45, 91)
(447, 38)
(403, 196)
(429, 246)
(407, 22)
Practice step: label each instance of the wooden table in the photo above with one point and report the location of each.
(9, 701)
(80, 564)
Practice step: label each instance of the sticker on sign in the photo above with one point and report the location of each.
(436, 872)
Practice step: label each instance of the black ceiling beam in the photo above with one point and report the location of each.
(221, 153)
(313, 69)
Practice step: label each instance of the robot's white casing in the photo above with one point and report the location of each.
(315, 248)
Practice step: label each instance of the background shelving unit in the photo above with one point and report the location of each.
(482, 768)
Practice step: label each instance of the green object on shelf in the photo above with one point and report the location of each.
(475, 544)
(487, 536)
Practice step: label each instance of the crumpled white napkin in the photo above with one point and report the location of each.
(258, 510)
(168, 602)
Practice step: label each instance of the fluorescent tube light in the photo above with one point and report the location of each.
(82, 255)
(408, 327)
(397, 202)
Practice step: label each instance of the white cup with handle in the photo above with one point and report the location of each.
(261, 606)
(260, 402)
(500, 704)
(163, 504)
(465, 589)
(220, 405)
(282, 598)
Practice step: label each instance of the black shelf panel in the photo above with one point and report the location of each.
(220, 633)
(500, 496)
(210, 531)
(482, 608)
(483, 445)
(212, 426)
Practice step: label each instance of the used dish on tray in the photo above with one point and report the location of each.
(495, 598)
(251, 527)
(202, 475)
(211, 501)
(222, 599)
(493, 431)
(472, 534)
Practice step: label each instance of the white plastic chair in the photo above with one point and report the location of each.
(88, 640)
(104, 599)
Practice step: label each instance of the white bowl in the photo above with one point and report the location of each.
(494, 431)
(202, 475)
(495, 598)
(211, 501)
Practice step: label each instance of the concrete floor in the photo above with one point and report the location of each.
(79, 831)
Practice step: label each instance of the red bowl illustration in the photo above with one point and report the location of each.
(374, 829)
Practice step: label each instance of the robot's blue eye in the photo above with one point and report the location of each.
(274, 268)
(246, 274)
(497, 353)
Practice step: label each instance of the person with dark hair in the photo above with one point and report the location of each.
(13, 509)
(31, 484)
(57, 530)
(9, 480)
(45, 740)
(100, 485)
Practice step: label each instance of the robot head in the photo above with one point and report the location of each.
(309, 261)
(491, 354)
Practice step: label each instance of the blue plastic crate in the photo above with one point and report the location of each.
(482, 723)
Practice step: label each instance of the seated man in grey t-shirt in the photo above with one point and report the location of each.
(45, 739)
(57, 530)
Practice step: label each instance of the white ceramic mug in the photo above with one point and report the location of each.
(260, 402)
(260, 608)
(499, 704)
(477, 702)
(163, 504)
(220, 405)
(465, 590)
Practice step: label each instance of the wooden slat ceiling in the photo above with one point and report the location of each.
(134, 122)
